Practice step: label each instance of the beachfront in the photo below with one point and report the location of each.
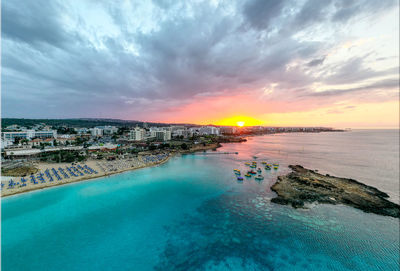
(53, 174)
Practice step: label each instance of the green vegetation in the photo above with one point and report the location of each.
(87, 123)
(19, 171)
(184, 146)
(62, 156)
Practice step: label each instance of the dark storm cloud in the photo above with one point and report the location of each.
(33, 22)
(316, 62)
(260, 13)
(60, 61)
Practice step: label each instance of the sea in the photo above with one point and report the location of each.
(192, 214)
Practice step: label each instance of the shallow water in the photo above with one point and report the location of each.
(191, 214)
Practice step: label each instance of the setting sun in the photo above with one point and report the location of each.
(240, 121)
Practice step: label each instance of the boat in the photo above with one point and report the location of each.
(240, 178)
(247, 164)
(259, 177)
(237, 172)
(252, 172)
(255, 157)
(247, 175)
(275, 164)
(259, 170)
(267, 167)
(253, 166)
(263, 162)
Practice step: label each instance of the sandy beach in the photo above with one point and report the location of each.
(100, 168)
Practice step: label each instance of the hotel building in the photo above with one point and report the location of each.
(29, 134)
(138, 134)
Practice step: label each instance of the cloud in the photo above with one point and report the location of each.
(387, 84)
(316, 62)
(133, 60)
(259, 13)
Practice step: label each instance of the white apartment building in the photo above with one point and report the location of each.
(137, 134)
(181, 132)
(209, 130)
(161, 133)
(29, 134)
(5, 143)
(96, 131)
(108, 130)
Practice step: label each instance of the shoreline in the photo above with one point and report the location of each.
(305, 186)
(111, 166)
(83, 179)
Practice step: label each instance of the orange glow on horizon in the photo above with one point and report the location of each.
(241, 121)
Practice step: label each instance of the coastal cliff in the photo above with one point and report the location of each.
(307, 186)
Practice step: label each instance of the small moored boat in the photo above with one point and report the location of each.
(240, 178)
(247, 175)
(259, 177)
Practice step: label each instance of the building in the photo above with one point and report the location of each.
(108, 130)
(137, 134)
(228, 130)
(82, 130)
(46, 134)
(13, 127)
(38, 142)
(29, 134)
(65, 140)
(194, 131)
(6, 143)
(96, 131)
(181, 132)
(163, 135)
(209, 130)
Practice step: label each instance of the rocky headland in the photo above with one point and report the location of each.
(303, 186)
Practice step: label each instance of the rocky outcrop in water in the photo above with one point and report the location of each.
(303, 186)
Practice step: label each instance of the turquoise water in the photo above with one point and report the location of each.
(191, 214)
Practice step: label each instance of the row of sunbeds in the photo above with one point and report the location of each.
(73, 171)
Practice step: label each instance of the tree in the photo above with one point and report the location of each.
(17, 140)
(184, 146)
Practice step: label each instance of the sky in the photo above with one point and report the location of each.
(266, 62)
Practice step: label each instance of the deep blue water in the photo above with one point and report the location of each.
(191, 214)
